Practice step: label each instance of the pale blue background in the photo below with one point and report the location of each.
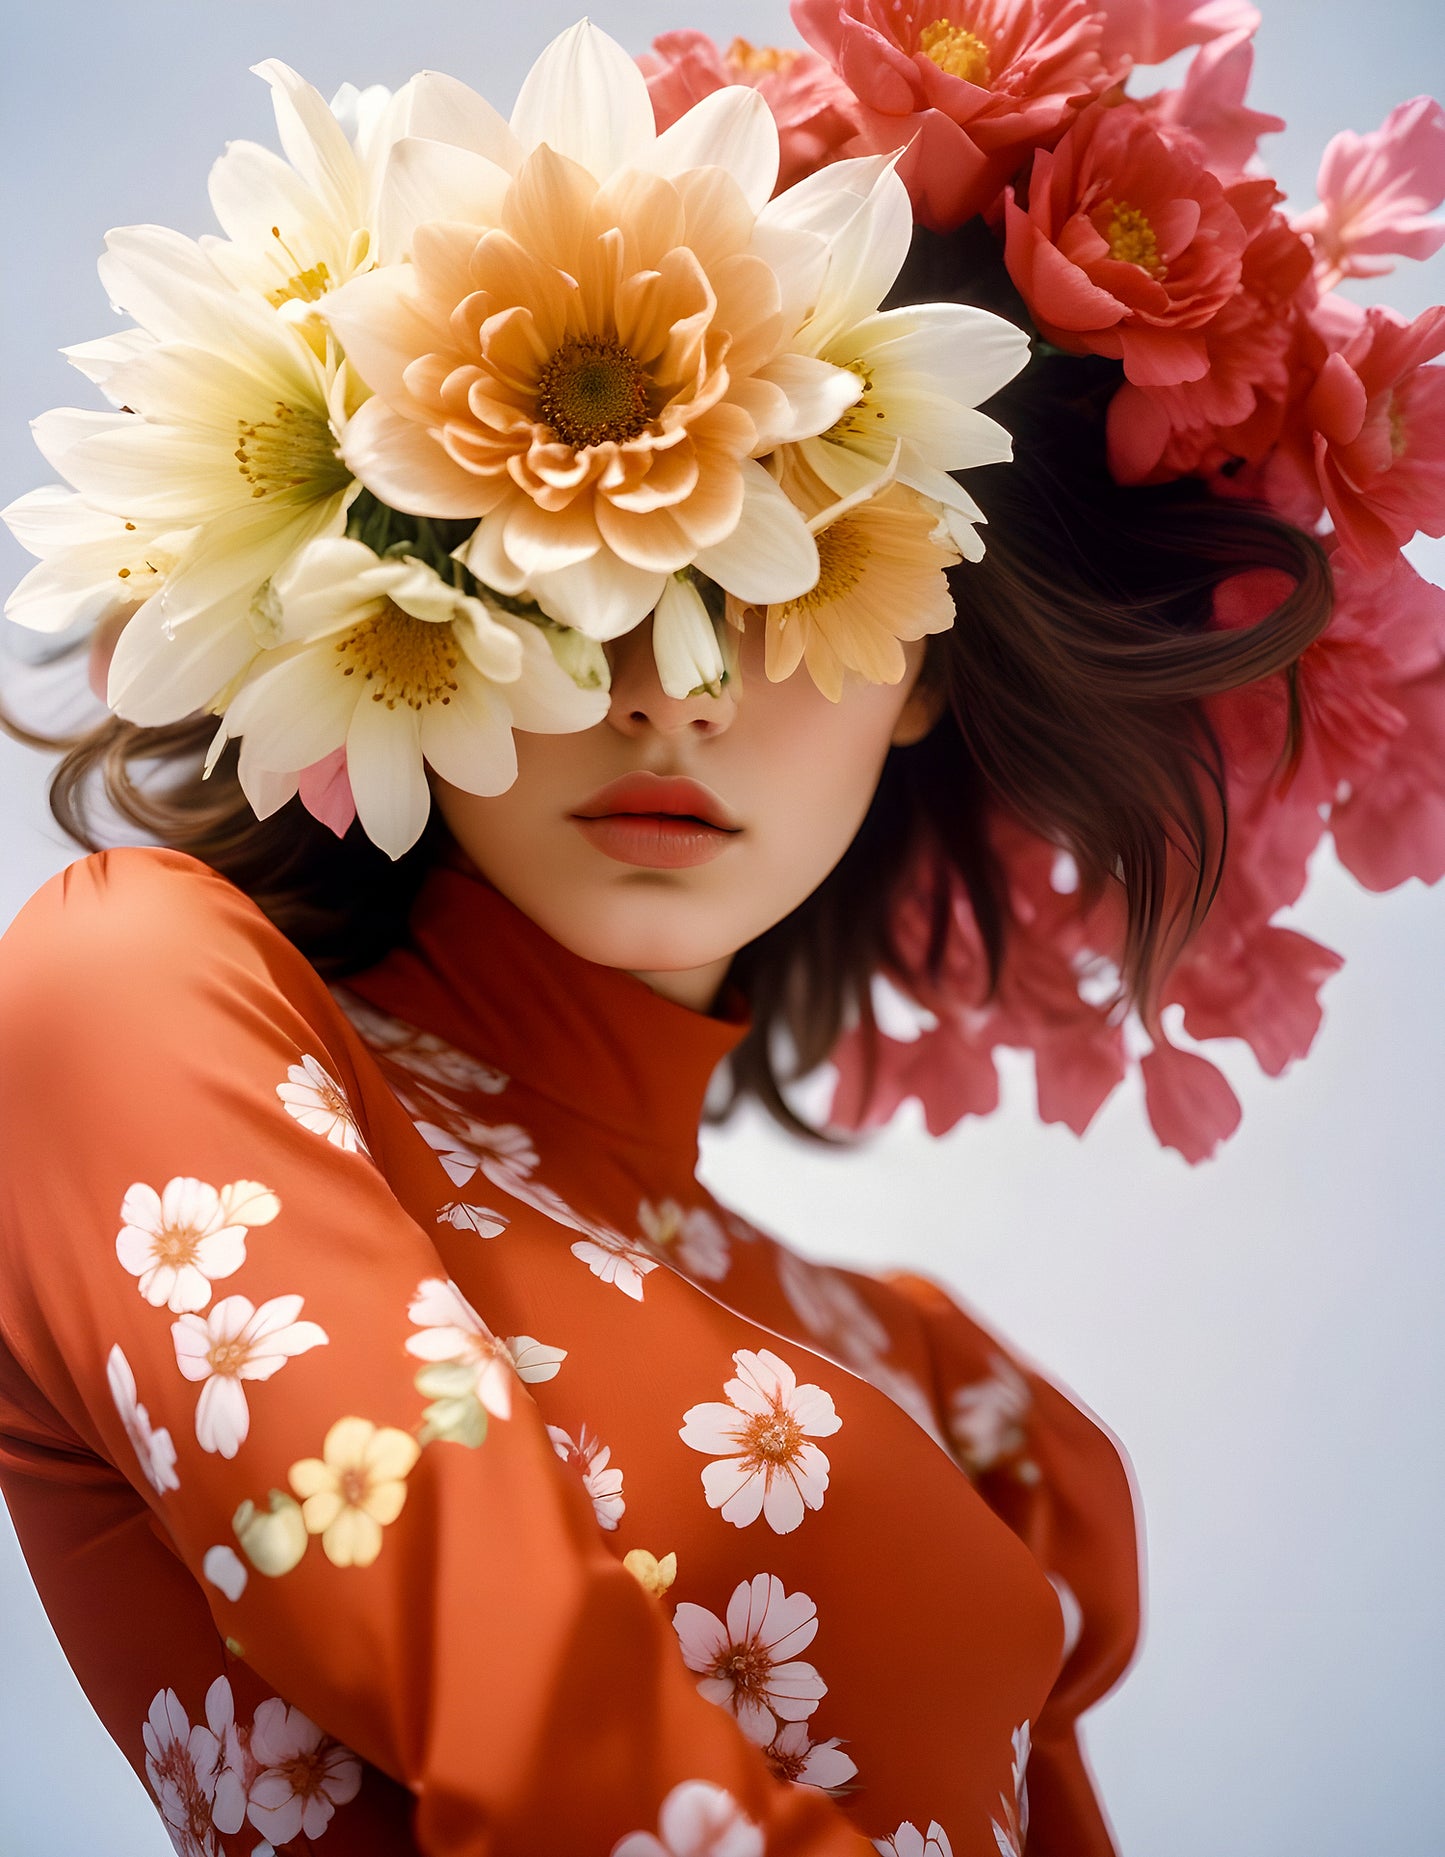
(1263, 1332)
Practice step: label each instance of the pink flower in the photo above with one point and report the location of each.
(593, 1463)
(1262, 987)
(749, 1663)
(180, 1764)
(1378, 419)
(304, 1774)
(1190, 1104)
(1394, 827)
(1377, 192)
(814, 110)
(325, 789)
(765, 1463)
(968, 90)
(1237, 408)
(1128, 247)
(696, 1820)
(1210, 106)
(1149, 31)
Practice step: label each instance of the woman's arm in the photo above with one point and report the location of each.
(206, 1280)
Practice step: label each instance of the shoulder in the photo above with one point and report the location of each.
(139, 943)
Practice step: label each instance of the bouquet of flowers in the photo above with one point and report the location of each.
(454, 399)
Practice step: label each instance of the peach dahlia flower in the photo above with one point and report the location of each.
(592, 344)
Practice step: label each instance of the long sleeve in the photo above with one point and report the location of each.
(204, 1286)
(1062, 1484)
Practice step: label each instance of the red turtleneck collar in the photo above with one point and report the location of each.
(482, 975)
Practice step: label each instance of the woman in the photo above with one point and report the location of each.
(403, 1542)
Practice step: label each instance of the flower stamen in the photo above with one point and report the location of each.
(593, 392)
(307, 283)
(764, 60)
(843, 555)
(956, 50)
(295, 450)
(1132, 240)
(411, 661)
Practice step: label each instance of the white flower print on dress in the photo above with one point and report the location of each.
(591, 1460)
(502, 1152)
(615, 1259)
(479, 1219)
(181, 1766)
(178, 1241)
(696, 1820)
(468, 1373)
(422, 1053)
(534, 1360)
(226, 1571)
(1073, 1613)
(909, 1841)
(318, 1102)
(1012, 1833)
(792, 1756)
(694, 1239)
(235, 1769)
(153, 1446)
(304, 1774)
(986, 1422)
(237, 1341)
(766, 1466)
(748, 1663)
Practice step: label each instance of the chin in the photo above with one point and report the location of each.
(646, 932)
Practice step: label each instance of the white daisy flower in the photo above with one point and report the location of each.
(180, 1763)
(749, 1662)
(592, 1462)
(237, 1341)
(180, 1240)
(765, 1463)
(479, 1219)
(318, 1102)
(153, 1446)
(694, 1239)
(793, 1756)
(452, 1335)
(304, 1774)
(909, 1841)
(385, 658)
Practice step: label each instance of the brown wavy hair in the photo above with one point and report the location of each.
(1072, 685)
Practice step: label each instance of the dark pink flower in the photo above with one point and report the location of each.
(1261, 986)
(1189, 1102)
(1393, 828)
(949, 1071)
(968, 87)
(1377, 414)
(1377, 192)
(1128, 246)
(1149, 31)
(814, 109)
(1209, 105)
(1236, 409)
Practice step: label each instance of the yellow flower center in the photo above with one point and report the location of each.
(746, 1666)
(228, 1356)
(176, 1245)
(855, 420)
(592, 392)
(843, 554)
(759, 60)
(306, 284)
(956, 50)
(293, 450)
(773, 1437)
(405, 660)
(1132, 239)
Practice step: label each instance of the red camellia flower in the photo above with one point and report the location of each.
(967, 87)
(1128, 246)
(1378, 418)
(1234, 410)
(814, 109)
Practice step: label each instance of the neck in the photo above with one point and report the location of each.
(696, 988)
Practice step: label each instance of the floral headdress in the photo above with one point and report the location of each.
(456, 399)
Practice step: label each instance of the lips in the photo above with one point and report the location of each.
(668, 795)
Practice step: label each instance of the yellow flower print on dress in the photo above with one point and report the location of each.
(650, 1573)
(357, 1486)
(275, 1538)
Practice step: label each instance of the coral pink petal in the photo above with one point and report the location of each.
(325, 791)
(1190, 1104)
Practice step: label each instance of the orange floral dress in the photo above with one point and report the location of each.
(411, 1456)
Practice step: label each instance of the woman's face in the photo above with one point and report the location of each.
(661, 879)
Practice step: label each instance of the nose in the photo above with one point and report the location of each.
(640, 704)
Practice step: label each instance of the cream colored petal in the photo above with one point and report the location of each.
(434, 181)
(251, 191)
(544, 700)
(442, 109)
(353, 1539)
(327, 584)
(165, 282)
(684, 641)
(469, 740)
(315, 143)
(58, 431)
(156, 677)
(770, 556)
(587, 99)
(382, 323)
(388, 781)
(815, 395)
(391, 1453)
(963, 352)
(733, 129)
(295, 711)
(865, 255)
(601, 597)
(98, 360)
(404, 464)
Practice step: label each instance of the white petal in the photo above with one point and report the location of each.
(388, 780)
(585, 98)
(684, 641)
(315, 143)
(733, 129)
(98, 360)
(50, 518)
(58, 431)
(163, 281)
(965, 353)
(865, 255)
(770, 556)
(432, 180)
(157, 678)
(469, 740)
(224, 1568)
(443, 109)
(602, 597)
(817, 394)
(293, 712)
(544, 700)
